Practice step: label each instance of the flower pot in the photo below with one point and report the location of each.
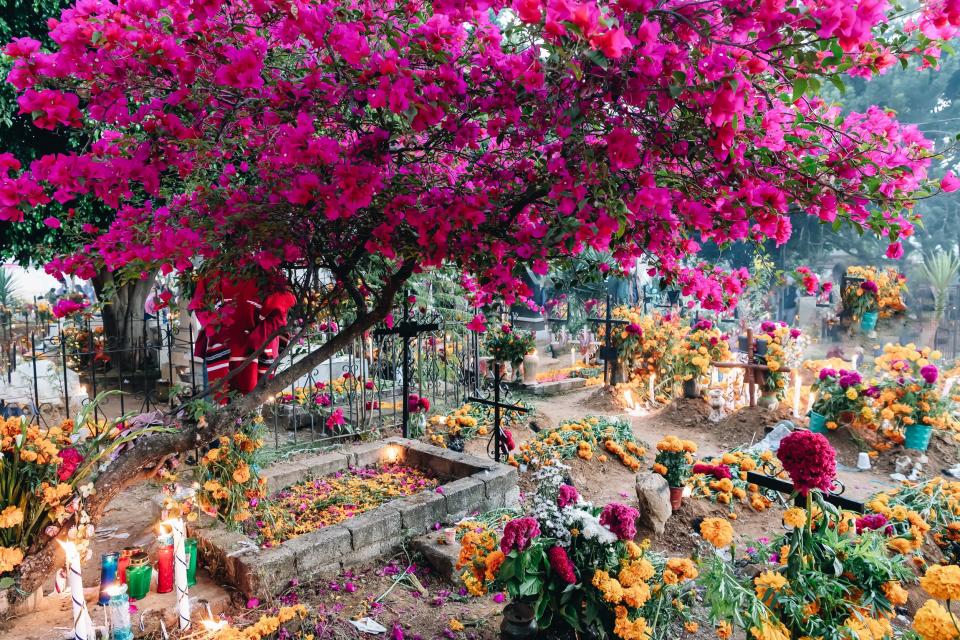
(917, 436)
(691, 388)
(869, 321)
(519, 622)
(818, 422)
(531, 362)
(846, 417)
(768, 400)
(676, 497)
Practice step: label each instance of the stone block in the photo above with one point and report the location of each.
(365, 454)
(271, 572)
(497, 480)
(326, 464)
(441, 557)
(316, 550)
(463, 496)
(373, 526)
(283, 475)
(371, 552)
(420, 511)
(653, 495)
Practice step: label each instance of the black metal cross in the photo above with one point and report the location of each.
(783, 486)
(406, 330)
(498, 444)
(609, 351)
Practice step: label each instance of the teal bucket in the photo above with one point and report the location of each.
(818, 422)
(869, 321)
(917, 436)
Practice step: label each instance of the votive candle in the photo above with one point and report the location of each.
(108, 575)
(119, 607)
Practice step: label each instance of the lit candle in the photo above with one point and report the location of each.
(82, 624)
(109, 563)
(573, 358)
(180, 572)
(796, 394)
(165, 560)
(119, 607)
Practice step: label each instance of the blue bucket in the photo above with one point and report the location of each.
(818, 422)
(869, 321)
(917, 436)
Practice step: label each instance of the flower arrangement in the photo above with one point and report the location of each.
(467, 422)
(321, 502)
(703, 344)
(583, 439)
(778, 347)
(820, 578)
(919, 513)
(890, 288)
(862, 298)
(578, 567)
(288, 622)
(723, 479)
(230, 486)
(842, 396)
(507, 344)
(648, 342)
(674, 460)
(45, 475)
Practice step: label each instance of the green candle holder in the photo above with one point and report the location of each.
(190, 546)
(138, 576)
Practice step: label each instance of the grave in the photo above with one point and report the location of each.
(468, 484)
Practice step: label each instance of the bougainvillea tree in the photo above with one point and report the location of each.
(359, 141)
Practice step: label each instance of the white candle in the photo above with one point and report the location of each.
(651, 391)
(82, 624)
(796, 394)
(854, 360)
(811, 399)
(573, 358)
(948, 386)
(180, 572)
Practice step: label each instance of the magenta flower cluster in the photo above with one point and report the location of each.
(620, 519)
(869, 286)
(930, 373)
(873, 522)
(562, 565)
(518, 534)
(718, 471)
(567, 496)
(810, 461)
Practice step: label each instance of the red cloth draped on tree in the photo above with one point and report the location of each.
(238, 316)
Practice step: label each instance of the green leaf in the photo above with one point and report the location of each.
(799, 88)
(838, 83)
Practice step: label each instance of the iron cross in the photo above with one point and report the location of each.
(609, 351)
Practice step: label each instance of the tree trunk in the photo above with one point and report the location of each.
(148, 453)
(124, 328)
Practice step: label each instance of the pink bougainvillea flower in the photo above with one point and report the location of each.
(477, 324)
(52, 222)
(950, 183)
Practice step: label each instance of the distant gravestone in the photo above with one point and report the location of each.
(20, 390)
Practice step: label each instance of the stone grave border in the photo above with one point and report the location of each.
(470, 484)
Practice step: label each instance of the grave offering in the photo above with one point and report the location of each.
(365, 500)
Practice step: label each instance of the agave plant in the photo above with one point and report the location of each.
(941, 270)
(8, 287)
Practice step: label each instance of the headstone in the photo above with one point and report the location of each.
(653, 494)
(20, 390)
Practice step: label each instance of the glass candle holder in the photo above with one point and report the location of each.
(138, 576)
(108, 575)
(119, 610)
(165, 568)
(191, 548)
(125, 554)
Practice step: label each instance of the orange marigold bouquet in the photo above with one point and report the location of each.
(891, 288)
(231, 488)
(674, 460)
(45, 475)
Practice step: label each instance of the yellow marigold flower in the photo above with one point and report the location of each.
(895, 593)
(942, 582)
(851, 394)
(724, 630)
(769, 630)
(933, 622)
(691, 626)
(795, 517)
(769, 581)
(10, 558)
(900, 545)
(10, 517)
(455, 625)
(717, 531)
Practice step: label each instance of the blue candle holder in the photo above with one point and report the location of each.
(119, 609)
(108, 576)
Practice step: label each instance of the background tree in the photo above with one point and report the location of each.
(341, 147)
(34, 242)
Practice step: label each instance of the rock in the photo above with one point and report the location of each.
(653, 494)
(442, 557)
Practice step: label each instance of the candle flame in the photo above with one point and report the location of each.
(215, 625)
(68, 547)
(115, 590)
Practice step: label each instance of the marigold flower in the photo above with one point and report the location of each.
(717, 531)
(942, 582)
